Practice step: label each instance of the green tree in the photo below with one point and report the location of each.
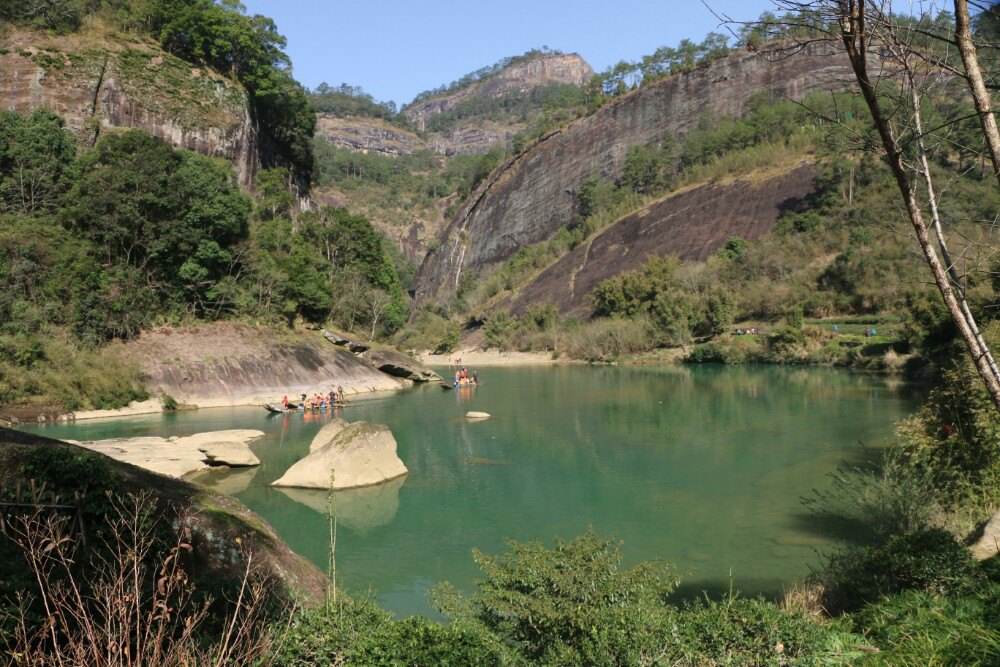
(172, 215)
(645, 169)
(36, 160)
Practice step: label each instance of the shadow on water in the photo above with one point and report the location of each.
(719, 589)
(826, 513)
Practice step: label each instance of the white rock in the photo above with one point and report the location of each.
(360, 454)
(326, 434)
(989, 544)
(472, 414)
(177, 457)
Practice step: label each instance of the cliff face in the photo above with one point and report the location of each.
(225, 364)
(519, 77)
(374, 135)
(533, 195)
(358, 133)
(691, 225)
(101, 81)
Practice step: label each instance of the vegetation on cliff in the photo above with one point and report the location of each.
(99, 243)
(218, 35)
(484, 73)
(827, 263)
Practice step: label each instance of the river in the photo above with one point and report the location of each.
(704, 467)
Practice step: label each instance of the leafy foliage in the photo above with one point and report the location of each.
(928, 560)
(346, 100)
(219, 35)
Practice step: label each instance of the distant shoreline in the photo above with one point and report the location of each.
(474, 358)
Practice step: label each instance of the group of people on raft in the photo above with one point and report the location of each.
(464, 378)
(318, 401)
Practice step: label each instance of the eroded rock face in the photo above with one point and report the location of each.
(534, 195)
(359, 455)
(224, 364)
(567, 68)
(177, 457)
(367, 135)
(690, 225)
(399, 365)
(97, 84)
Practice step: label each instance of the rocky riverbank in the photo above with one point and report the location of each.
(180, 456)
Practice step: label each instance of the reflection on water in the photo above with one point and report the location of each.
(704, 467)
(357, 509)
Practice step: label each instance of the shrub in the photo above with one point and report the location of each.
(928, 560)
(739, 631)
(785, 340)
(920, 628)
(955, 437)
(609, 339)
(499, 329)
(358, 632)
(572, 604)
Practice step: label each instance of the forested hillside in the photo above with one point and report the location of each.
(108, 231)
(711, 202)
(246, 49)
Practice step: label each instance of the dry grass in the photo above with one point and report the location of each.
(129, 608)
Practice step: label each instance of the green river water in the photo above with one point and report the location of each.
(704, 467)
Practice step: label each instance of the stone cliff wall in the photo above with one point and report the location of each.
(98, 82)
(520, 77)
(533, 195)
(691, 225)
(229, 364)
(374, 135)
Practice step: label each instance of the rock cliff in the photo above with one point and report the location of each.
(363, 134)
(533, 195)
(520, 76)
(100, 80)
(691, 225)
(226, 364)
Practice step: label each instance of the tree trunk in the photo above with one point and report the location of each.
(974, 75)
(855, 40)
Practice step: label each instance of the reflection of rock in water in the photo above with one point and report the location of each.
(224, 481)
(358, 509)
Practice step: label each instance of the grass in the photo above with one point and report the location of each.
(66, 376)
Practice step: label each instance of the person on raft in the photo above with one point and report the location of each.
(284, 402)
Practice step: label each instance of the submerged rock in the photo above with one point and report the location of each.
(177, 457)
(358, 509)
(399, 365)
(355, 455)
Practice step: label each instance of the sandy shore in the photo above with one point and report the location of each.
(474, 358)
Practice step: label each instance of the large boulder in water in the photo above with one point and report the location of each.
(327, 433)
(355, 455)
(399, 365)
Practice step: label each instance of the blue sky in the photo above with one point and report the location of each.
(397, 48)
